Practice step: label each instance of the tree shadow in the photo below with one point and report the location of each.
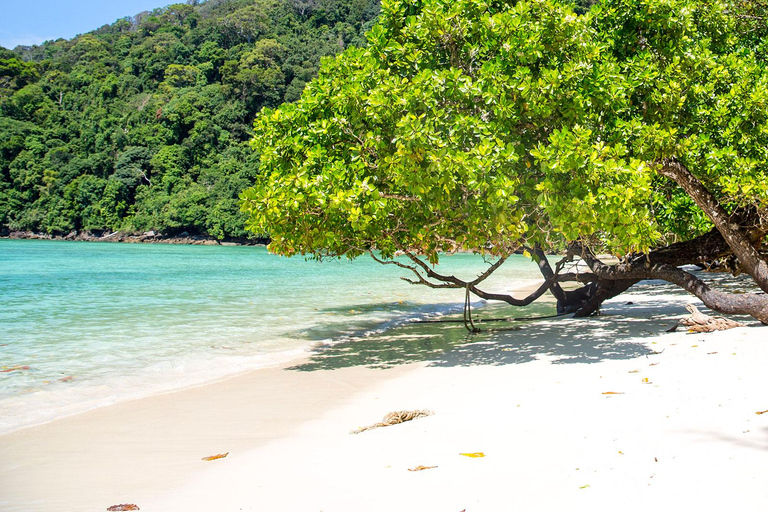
(616, 334)
(648, 309)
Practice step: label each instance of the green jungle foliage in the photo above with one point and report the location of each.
(484, 124)
(143, 124)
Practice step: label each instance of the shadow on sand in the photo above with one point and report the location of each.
(647, 309)
(616, 334)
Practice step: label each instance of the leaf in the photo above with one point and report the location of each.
(214, 457)
(475, 455)
(123, 508)
(584, 486)
(422, 468)
(762, 412)
(14, 369)
(613, 393)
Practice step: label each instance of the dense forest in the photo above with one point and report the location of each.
(144, 124)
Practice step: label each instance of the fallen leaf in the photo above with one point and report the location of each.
(584, 486)
(613, 393)
(422, 468)
(621, 452)
(123, 508)
(214, 457)
(653, 364)
(14, 369)
(475, 455)
(761, 412)
(710, 353)
(635, 371)
(646, 381)
(66, 379)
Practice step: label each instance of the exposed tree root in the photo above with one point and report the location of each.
(699, 322)
(394, 418)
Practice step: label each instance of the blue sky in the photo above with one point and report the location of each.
(34, 21)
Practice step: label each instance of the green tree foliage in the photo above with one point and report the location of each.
(491, 126)
(144, 124)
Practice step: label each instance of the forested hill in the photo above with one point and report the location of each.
(144, 124)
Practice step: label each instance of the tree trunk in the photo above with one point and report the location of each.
(601, 291)
(732, 233)
(755, 305)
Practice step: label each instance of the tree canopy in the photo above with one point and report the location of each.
(638, 128)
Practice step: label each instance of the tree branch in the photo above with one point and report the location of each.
(455, 282)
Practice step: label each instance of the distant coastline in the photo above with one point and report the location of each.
(149, 237)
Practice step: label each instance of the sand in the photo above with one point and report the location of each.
(678, 431)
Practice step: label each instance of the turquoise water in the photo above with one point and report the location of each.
(96, 323)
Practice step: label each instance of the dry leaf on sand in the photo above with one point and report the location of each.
(475, 455)
(422, 468)
(123, 508)
(214, 457)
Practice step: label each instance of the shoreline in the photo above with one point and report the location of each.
(157, 440)
(39, 396)
(286, 359)
(570, 414)
(149, 237)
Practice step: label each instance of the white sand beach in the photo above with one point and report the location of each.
(606, 413)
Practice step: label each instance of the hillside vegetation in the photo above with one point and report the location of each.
(144, 124)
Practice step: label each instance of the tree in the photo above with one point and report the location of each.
(495, 126)
(155, 104)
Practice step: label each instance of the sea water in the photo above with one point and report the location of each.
(84, 325)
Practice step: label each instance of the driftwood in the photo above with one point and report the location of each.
(394, 418)
(699, 322)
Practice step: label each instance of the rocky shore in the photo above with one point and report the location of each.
(151, 237)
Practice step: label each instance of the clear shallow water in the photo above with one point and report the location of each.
(98, 323)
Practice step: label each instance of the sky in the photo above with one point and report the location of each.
(30, 22)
